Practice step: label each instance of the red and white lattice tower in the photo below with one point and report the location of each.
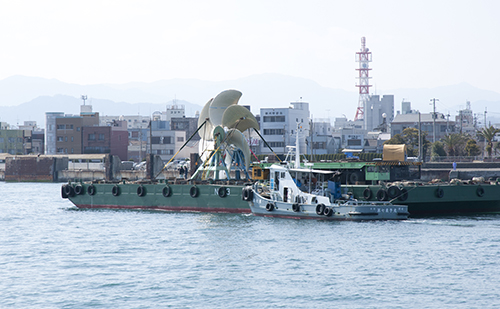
(363, 57)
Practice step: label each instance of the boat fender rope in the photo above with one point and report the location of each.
(296, 207)
(166, 191)
(116, 190)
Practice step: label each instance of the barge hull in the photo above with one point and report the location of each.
(207, 199)
(438, 199)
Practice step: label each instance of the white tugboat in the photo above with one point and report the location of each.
(309, 196)
(280, 196)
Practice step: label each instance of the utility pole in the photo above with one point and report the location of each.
(485, 126)
(434, 119)
(419, 138)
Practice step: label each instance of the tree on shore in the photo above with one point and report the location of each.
(409, 136)
(472, 149)
(454, 144)
(488, 134)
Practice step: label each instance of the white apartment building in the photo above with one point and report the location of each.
(278, 126)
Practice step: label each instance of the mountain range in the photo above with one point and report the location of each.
(28, 98)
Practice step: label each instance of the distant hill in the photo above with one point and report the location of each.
(28, 98)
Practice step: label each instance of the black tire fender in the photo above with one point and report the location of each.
(141, 190)
(222, 192)
(328, 211)
(116, 190)
(270, 207)
(404, 195)
(320, 208)
(194, 191)
(166, 191)
(439, 192)
(367, 194)
(79, 190)
(382, 195)
(91, 189)
(393, 191)
(480, 191)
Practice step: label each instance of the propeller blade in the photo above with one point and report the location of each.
(236, 138)
(222, 101)
(239, 117)
(205, 132)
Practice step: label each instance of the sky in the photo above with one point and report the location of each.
(415, 44)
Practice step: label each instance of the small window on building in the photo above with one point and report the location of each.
(101, 137)
(91, 137)
(180, 139)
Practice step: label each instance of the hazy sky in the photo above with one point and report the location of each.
(414, 43)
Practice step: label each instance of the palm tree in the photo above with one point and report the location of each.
(488, 134)
(454, 143)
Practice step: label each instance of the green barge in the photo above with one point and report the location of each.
(201, 197)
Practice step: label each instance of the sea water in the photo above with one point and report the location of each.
(53, 255)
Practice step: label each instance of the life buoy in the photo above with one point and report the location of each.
(404, 195)
(320, 209)
(367, 194)
(222, 192)
(296, 207)
(382, 195)
(116, 190)
(269, 207)
(439, 192)
(328, 211)
(91, 190)
(141, 191)
(79, 190)
(480, 191)
(194, 191)
(393, 192)
(166, 191)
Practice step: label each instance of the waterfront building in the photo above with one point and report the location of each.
(428, 123)
(375, 110)
(278, 126)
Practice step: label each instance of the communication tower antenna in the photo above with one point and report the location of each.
(84, 98)
(363, 57)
